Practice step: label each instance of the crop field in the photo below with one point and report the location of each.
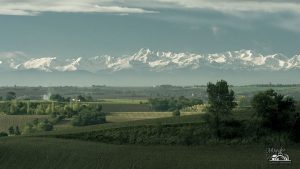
(119, 107)
(122, 101)
(115, 117)
(13, 120)
(49, 153)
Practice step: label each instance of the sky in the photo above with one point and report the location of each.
(87, 28)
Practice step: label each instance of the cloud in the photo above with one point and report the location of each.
(35, 7)
(232, 6)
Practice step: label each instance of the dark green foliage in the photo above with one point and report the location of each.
(11, 95)
(3, 134)
(171, 104)
(89, 115)
(37, 125)
(85, 118)
(220, 98)
(17, 131)
(275, 111)
(58, 98)
(221, 102)
(84, 98)
(231, 129)
(176, 113)
(14, 130)
(295, 132)
(13, 107)
(11, 130)
(184, 134)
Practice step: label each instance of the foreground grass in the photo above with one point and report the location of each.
(49, 153)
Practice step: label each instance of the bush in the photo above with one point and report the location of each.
(231, 129)
(3, 134)
(37, 125)
(176, 113)
(295, 133)
(88, 118)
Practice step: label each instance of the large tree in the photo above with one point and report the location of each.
(221, 102)
(274, 110)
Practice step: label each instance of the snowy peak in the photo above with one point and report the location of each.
(157, 61)
(43, 64)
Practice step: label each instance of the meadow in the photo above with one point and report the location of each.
(51, 153)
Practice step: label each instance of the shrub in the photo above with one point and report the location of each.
(3, 134)
(176, 113)
(88, 118)
(295, 132)
(231, 129)
(37, 125)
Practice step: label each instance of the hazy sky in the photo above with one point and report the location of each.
(72, 28)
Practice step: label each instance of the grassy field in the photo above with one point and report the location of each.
(122, 101)
(49, 153)
(13, 120)
(115, 117)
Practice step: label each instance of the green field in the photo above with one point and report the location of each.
(49, 153)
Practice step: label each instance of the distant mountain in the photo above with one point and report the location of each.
(147, 68)
(153, 61)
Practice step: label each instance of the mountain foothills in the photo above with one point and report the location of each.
(153, 61)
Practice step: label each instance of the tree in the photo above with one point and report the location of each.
(274, 110)
(11, 130)
(221, 102)
(11, 96)
(176, 113)
(57, 97)
(17, 131)
(89, 115)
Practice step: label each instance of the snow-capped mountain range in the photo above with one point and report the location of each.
(153, 61)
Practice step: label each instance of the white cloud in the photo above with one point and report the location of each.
(34, 7)
(231, 6)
